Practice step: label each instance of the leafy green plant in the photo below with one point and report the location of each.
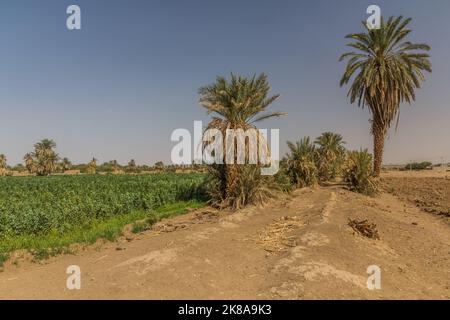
(54, 243)
(358, 173)
(42, 205)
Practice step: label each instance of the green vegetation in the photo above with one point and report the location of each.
(387, 70)
(237, 104)
(54, 243)
(3, 165)
(300, 163)
(44, 160)
(330, 155)
(53, 212)
(419, 166)
(358, 173)
(307, 164)
(40, 205)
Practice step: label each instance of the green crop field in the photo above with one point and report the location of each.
(45, 212)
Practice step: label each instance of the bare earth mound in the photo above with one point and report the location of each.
(299, 249)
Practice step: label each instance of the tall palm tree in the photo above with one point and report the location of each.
(29, 163)
(2, 164)
(44, 147)
(387, 71)
(114, 165)
(330, 154)
(236, 104)
(45, 157)
(92, 166)
(66, 164)
(132, 164)
(2, 161)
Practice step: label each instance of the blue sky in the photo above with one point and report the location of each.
(117, 88)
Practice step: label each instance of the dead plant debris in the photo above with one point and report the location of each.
(275, 237)
(364, 228)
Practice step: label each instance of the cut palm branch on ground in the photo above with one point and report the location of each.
(364, 228)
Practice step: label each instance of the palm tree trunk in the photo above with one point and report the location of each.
(231, 176)
(378, 147)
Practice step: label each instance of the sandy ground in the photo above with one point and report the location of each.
(299, 248)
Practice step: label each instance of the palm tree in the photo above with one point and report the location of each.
(115, 166)
(29, 163)
(66, 164)
(300, 162)
(92, 166)
(387, 71)
(330, 154)
(44, 147)
(2, 164)
(236, 104)
(45, 157)
(132, 166)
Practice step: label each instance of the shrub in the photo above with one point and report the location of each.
(419, 166)
(300, 163)
(250, 187)
(330, 155)
(358, 172)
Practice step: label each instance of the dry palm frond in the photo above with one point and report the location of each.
(364, 228)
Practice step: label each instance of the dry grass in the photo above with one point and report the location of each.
(275, 237)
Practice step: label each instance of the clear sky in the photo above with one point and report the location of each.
(117, 88)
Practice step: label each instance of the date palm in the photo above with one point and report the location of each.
(386, 70)
(132, 164)
(300, 163)
(66, 164)
(2, 164)
(330, 154)
(45, 157)
(2, 161)
(236, 104)
(29, 163)
(92, 166)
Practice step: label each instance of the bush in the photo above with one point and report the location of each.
(330, 155)
(358, 172)
(300, 163)
(419, 166)
(249, 188)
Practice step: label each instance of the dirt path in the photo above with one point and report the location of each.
(296, 249)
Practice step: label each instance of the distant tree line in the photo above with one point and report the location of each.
(44, 161)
